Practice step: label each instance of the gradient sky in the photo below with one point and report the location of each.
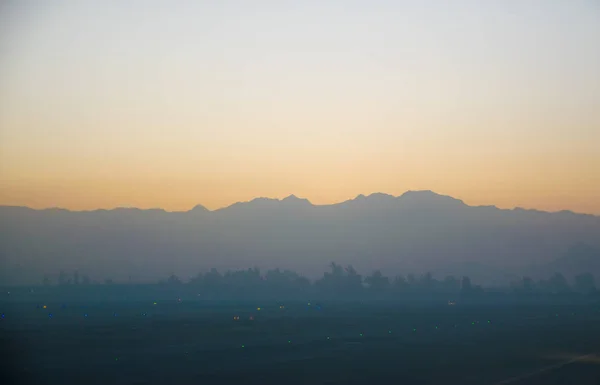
(173, 103)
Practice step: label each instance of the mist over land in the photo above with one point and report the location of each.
(194, 105)
(417, 232)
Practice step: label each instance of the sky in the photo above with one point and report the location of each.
(175, 103)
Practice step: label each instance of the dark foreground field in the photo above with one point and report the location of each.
(191, 342)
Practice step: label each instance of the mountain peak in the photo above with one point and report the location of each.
(429, 199)
(262, 199)
(427, 193)
(380, 196)
(198, 209)
(377, 200)
(293, 199)
(263, 203)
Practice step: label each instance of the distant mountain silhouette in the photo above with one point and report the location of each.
(267, 204)
(198, 209)
(412, 233)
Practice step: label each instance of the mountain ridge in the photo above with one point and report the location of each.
(419, 197)
(414, 232)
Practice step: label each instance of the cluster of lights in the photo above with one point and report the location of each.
(251, 318)
(236, 318)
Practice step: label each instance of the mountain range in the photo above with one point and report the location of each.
(416, 232)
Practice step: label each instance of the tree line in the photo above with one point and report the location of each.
(338, 281)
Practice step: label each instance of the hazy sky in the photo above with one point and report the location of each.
(173, 103)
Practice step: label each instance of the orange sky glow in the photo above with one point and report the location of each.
(101, 108)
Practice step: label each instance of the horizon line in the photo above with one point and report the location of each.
(293, 196)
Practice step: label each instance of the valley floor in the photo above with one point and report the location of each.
(192, 342)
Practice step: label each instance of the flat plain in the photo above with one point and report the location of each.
(201, 342)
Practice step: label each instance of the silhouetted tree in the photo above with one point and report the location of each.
(303, 283)
(377, 283)
(62, 278)
(451, 284)
(465, 285)
(173, 280)
(212, 281)
(285, 283)
(197, 280)
(331, 282)
(242, 282)
(524, 286)
(585, 283)
(477, 289)
(340, 282)
(400, 284)
(469, 290)
(353, 279)
(558, 283)
(426, 282)
(336, 270)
